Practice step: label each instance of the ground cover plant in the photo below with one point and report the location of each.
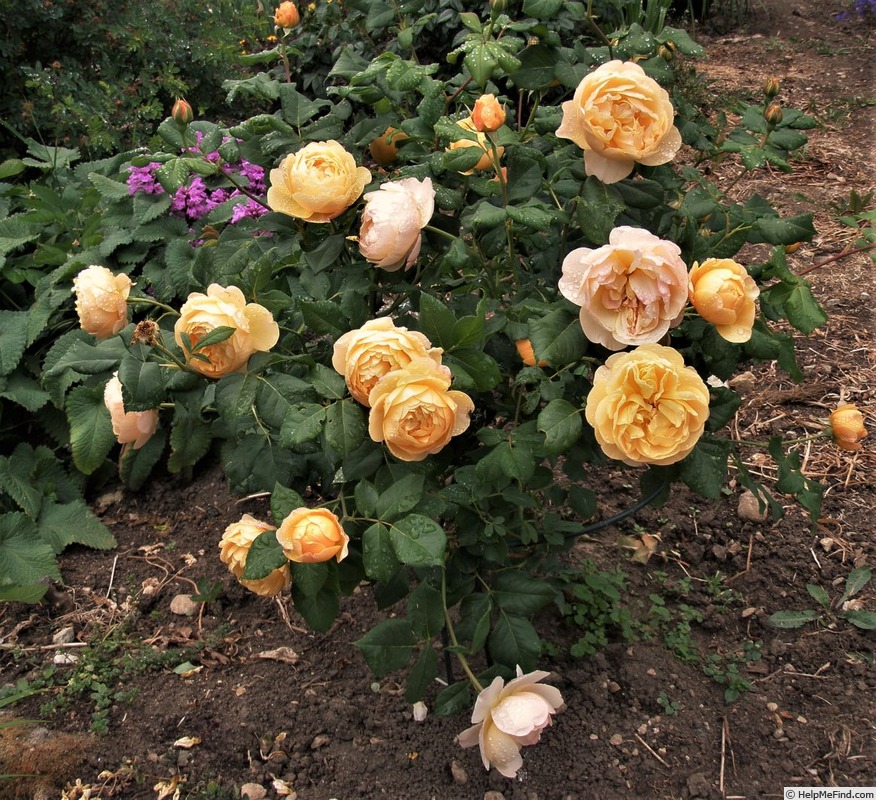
(419, 377)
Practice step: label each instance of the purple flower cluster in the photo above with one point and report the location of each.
(860, 8)
(195, 200)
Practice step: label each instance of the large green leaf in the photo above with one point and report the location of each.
(378, 553)
(388, 646)
(514, 642)
(422, 674)
(400, 497)
(61, 524)
(561, 424)
(557, 337)
(344, 426)
(518, 593)
(91, 433)
(143, 384)
(264, 556)
(25, 559)
(426, 611)
(418, 541)
(16, 481)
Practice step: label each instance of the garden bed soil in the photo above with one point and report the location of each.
(266, 701)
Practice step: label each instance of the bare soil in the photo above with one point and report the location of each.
(646, 716)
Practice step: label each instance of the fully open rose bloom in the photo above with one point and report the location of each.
(317, 183)
(486, 160)
(101, 301)
(631, 290)
(620, 116)
(394, 215)
(508, 717)
(724, 294)
(311, 535)
(234, 548)
(131, 428)
(414, 411)
(365, 355)
(847, 426)
(647, 407)
(255, 329)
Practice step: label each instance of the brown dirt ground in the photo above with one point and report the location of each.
(640, 722)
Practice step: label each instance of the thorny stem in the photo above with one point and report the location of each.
(462, 660)
(845, 252)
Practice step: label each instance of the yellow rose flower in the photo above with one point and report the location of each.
(255, 329)
(365, 355)
(414, 411)
(317, 183)
(286, 15)
(487, 114)
(312, 535)
(394, 216)
(131, 428)
(486, 160)
(620, 116)
(631, 290)
(647, 407)
(234, 548)
(724, 294)
(508, 717)
(101, 301)
(847, 427)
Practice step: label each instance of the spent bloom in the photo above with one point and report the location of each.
(312, 535)
(620, 116)
(507, 718)
(647, 407)
(363, 356)
(317, 183)
(131, 428)
(234, 549)
(254, 330)
(723, 293)
(847, 427)
(394, 216)
(631, 290)
(414, 411)
(101, 301)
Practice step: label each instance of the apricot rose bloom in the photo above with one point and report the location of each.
(414, 411)
(255, 329)
(101, 301)
(317, 183)
(723, 293)
(620, 116)
(486, 160)
(234, 548)
(394, 216)
(847, 427)
(507, 718)
(647, 407)
(131, 428)
(286, 15)
(365, 355)
(631, 290)
(312, 535)
(487, 114)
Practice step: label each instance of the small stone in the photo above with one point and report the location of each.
(616, 740)
(493, 795)
(652, 672)
(64, 636)
(772, 707)
(183, 605)
(613, 686)
(643, 729)
(253, 791)
(460, 776)
(65, 659)
(743, 382)
(802, 720)
(698, 785)
(594, 737)
(778, 733)
(319, 741)
(827, 544)
(749, 508)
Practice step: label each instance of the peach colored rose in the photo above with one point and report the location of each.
(507, 718)
(724, 294)
(631, 290)
(255, 330)
(234, 548)
(286, 15)
(101, 301)
(131, 428)
(647, 407)
(365, 355)
(847, 426)
(394, 215)
(311, 535)
(414, 411)
(487, 114)
(620, 116)
(486, 160)
(317, 183)
(527, 354)
(384, 148)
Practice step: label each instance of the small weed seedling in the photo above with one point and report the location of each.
(826, 616)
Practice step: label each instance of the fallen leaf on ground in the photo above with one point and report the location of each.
(285, 654)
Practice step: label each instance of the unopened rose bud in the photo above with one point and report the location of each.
(182, 112)
(773, 114)
(487, 114)
(286, 15)
(771, 87)
(498, 7)
(666, 51)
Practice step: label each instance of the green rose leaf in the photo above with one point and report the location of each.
(561, 424)
(388, 646)
(418, 541)
(264, 556)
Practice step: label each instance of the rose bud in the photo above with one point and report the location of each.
(286, 15)
(771, 87)
(182, 112)
(487, 115)
(773, 114)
